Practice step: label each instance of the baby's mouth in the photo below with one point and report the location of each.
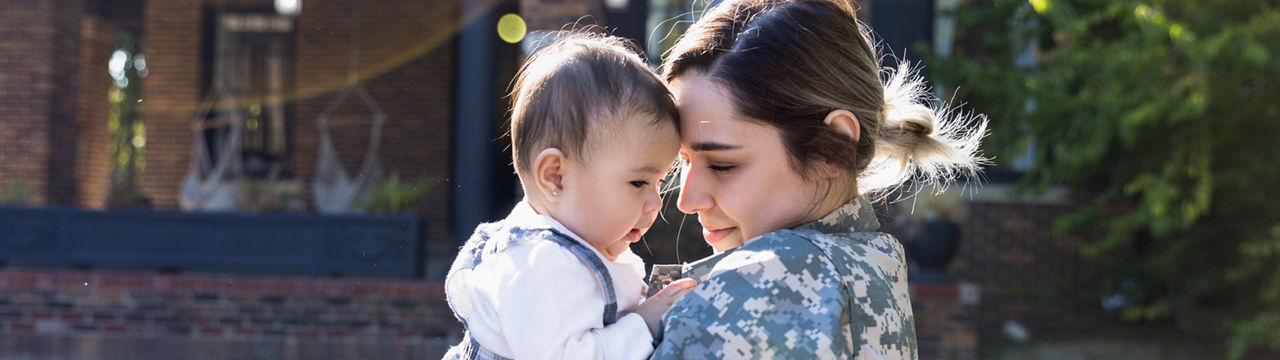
(633, 235)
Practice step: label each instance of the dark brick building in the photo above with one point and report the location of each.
(54, 94)
(424, 62)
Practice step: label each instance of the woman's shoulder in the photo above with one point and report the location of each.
(791, 245)
(770, 254)
(796, 251)
(754, 303)
(779, 260)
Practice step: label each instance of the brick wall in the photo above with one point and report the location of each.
(946, 320)
(54, 97)
(171, 92)
(92, 157)
(1026, 273)
(405, 56)
(127, 314)
(116, 314)
(406, 59)
(64, 131)
(551, 15)
(27, 35)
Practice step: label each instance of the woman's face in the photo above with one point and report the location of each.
(735, 173)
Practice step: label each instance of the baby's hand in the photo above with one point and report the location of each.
(655, 306)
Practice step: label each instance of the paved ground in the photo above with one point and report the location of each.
(1129, 343)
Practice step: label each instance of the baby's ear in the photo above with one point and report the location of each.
(548, 173)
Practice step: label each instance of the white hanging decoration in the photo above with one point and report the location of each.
(210, 181)
(334, 190)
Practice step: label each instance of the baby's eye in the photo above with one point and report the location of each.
(639, 183)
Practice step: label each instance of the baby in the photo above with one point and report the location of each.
(593, 134)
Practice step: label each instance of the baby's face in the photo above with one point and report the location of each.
(612, 198)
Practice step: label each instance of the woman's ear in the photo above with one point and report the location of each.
(844, 122)
(548, 173)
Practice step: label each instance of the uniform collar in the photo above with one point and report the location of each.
(857, 215)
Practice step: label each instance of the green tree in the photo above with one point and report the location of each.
(125, 126)
(1163, 112)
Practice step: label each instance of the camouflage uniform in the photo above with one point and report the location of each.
(831, 289)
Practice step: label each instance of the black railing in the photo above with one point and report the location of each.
(325, 245)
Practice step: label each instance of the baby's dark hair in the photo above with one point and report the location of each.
(582, 84)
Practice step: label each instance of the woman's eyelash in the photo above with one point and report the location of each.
(684, 161)
(639, 183)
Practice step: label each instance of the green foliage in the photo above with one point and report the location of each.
(269, 194)
(1164, 111)
(127, 196)
(17, 192)
(1034, 292)
(392, 196)
(126, 129)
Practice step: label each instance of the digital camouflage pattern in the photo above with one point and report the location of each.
(831, 289)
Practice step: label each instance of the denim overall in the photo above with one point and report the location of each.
(479, 245)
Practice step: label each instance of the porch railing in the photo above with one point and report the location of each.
(316, 244)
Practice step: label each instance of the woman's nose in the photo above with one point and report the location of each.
(693, 196)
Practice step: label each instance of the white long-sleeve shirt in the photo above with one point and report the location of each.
(537, 300)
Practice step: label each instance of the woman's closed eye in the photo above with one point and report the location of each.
(718, 167)
(639, 183)
(721, 168)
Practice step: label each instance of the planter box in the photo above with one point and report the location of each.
(315, 244)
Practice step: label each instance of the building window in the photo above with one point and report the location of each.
(252, 55)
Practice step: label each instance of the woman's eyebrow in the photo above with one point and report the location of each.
(647, 169)
(712, 146)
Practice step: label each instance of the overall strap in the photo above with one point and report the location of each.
(470, 349)
(597, 266)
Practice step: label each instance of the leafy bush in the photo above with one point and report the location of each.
(17, 192)
(392, 196)
(1164, 112)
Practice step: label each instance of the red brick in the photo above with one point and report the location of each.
(210, 330)
(22, 326)
(948, 291)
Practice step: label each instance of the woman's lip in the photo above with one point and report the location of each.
(714, 236)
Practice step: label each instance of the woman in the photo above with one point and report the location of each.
(786, 129)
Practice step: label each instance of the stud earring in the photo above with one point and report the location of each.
(553, 193)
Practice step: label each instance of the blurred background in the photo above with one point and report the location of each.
(232, 179)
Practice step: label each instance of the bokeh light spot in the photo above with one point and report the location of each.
(511, 28)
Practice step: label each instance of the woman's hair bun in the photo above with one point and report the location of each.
(932, 145)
